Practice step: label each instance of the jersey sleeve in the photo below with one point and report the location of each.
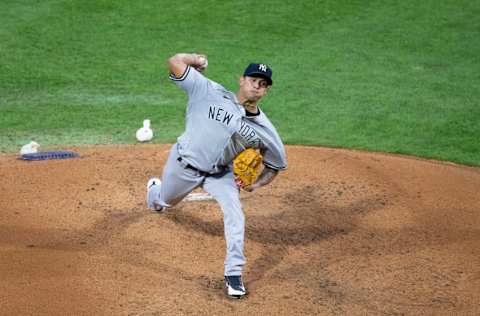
(274, 156)
(192, 82)
(273, 150)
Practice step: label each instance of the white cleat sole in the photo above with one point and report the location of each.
(232, 293)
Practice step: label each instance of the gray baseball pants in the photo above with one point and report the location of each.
(178, 182)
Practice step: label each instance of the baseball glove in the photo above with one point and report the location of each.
(246, 166)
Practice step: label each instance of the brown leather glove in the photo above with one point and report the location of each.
(246, 166)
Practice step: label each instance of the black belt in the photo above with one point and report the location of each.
(189, 166)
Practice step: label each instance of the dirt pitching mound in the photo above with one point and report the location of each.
(339, 232)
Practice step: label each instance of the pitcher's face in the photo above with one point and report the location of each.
(253, 88)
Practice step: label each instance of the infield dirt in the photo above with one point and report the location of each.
(340, 232)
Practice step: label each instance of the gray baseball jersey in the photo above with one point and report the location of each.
(217, 127)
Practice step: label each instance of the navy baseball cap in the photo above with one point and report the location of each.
(259, 70)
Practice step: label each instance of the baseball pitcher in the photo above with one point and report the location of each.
(226, 139)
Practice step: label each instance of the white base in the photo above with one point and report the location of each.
(198, 197)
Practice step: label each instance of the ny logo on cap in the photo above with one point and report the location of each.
(262, 67)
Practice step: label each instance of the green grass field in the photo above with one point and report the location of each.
(391, 76)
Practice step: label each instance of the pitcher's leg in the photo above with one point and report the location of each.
(176, 183)
(226, 193)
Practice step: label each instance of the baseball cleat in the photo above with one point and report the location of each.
(235, 287)
(150, 185)
(153, 181)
